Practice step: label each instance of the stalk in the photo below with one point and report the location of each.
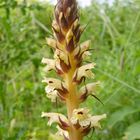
(69, 55)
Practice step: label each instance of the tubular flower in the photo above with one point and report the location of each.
(88, 89)
(50, 64)
(95, 120)
(55, 88)
(51, 42)
(56, 118)
(80, 51)
(67, 62)
(82, 117)
(84, 72)
(52, 94)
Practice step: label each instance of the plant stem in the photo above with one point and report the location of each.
(72, 100)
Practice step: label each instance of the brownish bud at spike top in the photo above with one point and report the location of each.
(63, 22)
(62, 5)
(69, 10)
(59, 35)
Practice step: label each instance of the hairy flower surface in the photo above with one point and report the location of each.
(55, 118)
(51, 94)
(95, 120)
(89, 88)
(50, 64)
(53, 84)
(51, 42)
(82, 117)
(55, 88)
(84, 72)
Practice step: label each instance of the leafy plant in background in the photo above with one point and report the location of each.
(114, 33)
(68, 64)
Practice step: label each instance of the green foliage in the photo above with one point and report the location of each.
(114, 32)
(133, 132)
(121, 113)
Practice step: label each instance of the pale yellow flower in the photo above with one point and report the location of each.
(89, 88)
(85, 71)
(55, 88)
(51, 42)
(83, 48)
(85, 119)
(51, 88)
(81, 116)
(95, 120)
(50, 64)
(86, 54)
(54, 118)
(61, 55)
(52, 94)
(53, 83)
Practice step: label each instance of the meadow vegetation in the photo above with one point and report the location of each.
(115, 35)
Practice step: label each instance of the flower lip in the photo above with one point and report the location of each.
(83, 72)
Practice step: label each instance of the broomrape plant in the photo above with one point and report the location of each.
(71, 87)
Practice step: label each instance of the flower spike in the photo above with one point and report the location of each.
(67, 62)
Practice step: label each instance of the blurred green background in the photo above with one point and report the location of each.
(115, 35)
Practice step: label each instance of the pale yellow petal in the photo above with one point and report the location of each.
(85, 45)
(81, 116)
(51, 93)
(69, 35)
(52, 82)
(61, 55)
(51, 42)
(54, 117)
(95, 120)
(90, 88)
(85, 71)
(50, 64)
